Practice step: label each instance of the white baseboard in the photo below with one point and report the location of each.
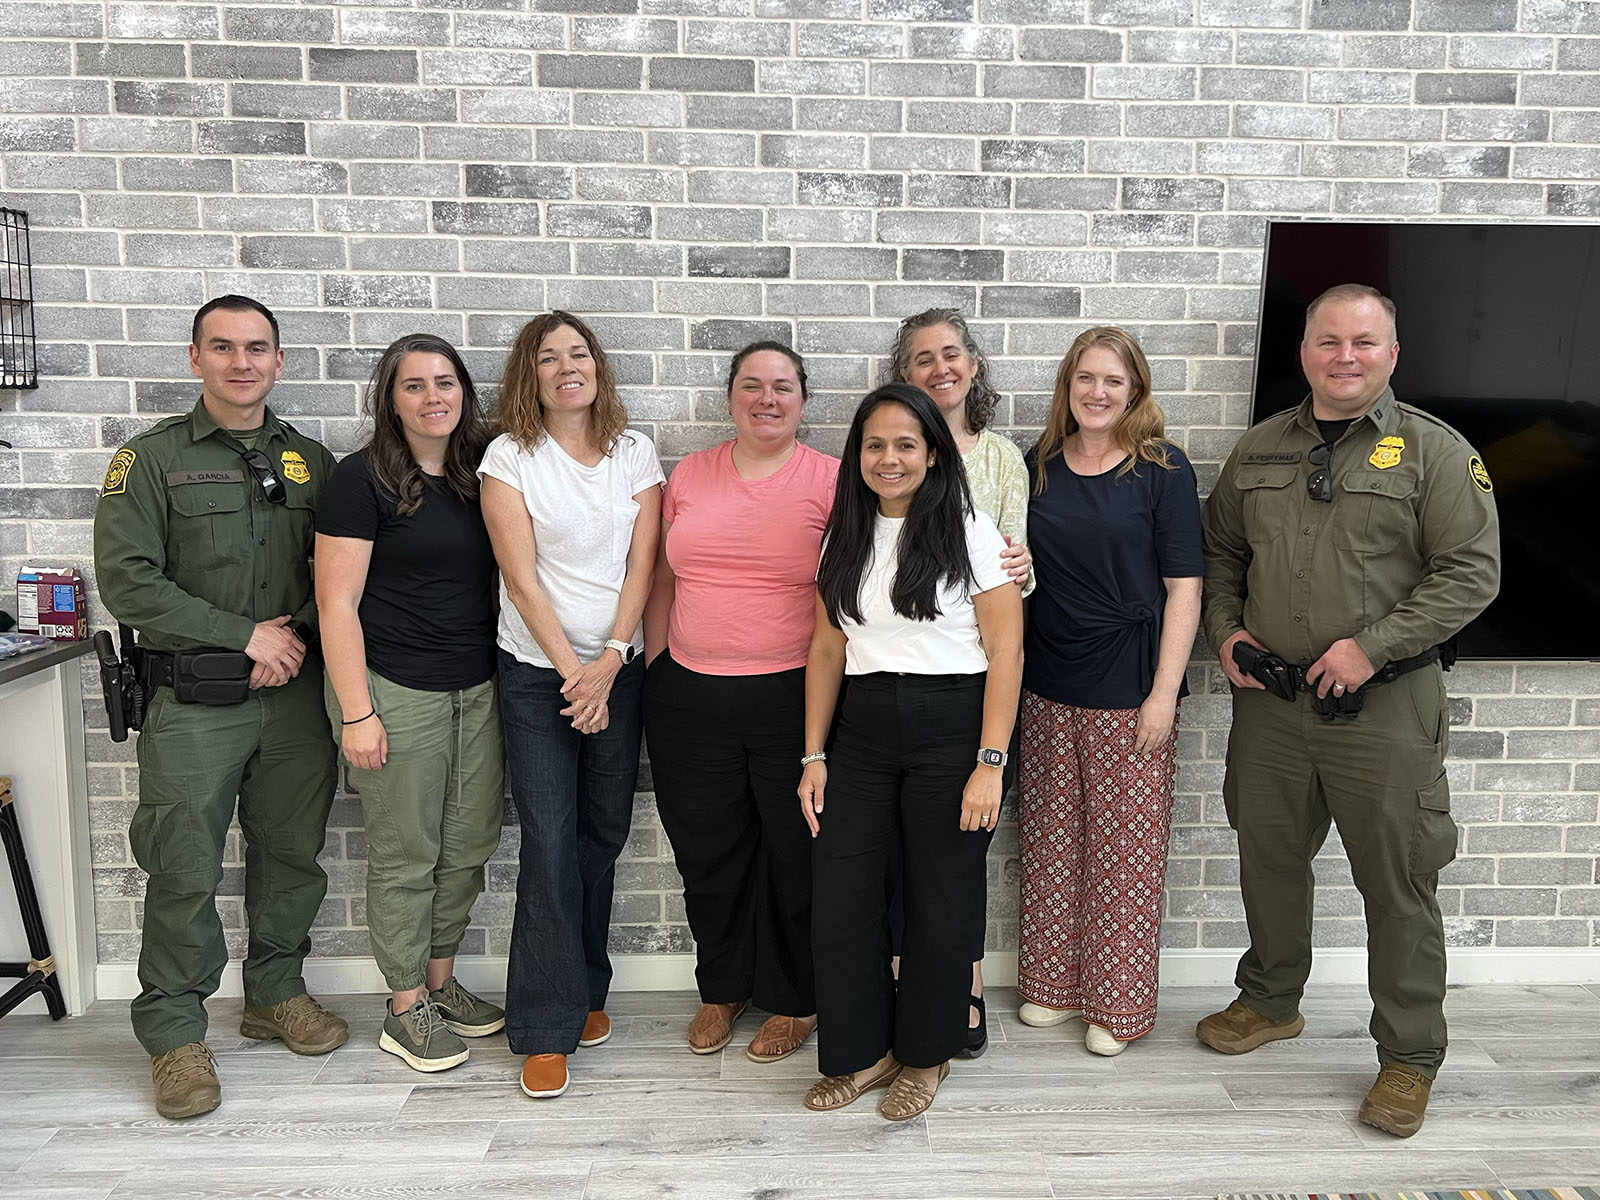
(675, 972)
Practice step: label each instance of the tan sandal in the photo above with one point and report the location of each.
(909, 1098)
(712, 1027)
(836, 1091)
(779, 1038)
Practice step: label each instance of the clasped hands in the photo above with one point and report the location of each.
(587, 691)
(276, 653)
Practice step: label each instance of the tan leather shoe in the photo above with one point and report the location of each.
(909, 1097)
(300, 1023)
(1238, 1030)
(544, 1076)
(779, 1038)
(596, 1029)
(712, 1027)
(1398, 1100)
(186, 1081)
(837, 1091)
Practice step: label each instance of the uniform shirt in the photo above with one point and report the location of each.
(427, 610)
(1405, 555)
(745, 552)
(1102, 547)
(187, 548)
(947, 645)
(999, 483)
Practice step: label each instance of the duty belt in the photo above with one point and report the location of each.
(207, 675)
(1286, 680)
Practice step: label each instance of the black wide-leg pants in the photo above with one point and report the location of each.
(902, 753)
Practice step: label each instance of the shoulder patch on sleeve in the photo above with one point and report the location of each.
(1479, 473)
(116, 481)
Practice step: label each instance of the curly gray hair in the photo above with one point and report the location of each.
(981, 396)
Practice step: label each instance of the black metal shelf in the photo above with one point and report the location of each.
(19, 360)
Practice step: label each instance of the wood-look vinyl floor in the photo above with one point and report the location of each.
(1518, 1105)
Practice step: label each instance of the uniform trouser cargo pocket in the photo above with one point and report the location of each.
(1433, 842)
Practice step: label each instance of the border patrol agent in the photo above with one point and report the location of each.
(203, 539)
(1350, 538)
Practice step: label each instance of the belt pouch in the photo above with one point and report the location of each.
(212, 677)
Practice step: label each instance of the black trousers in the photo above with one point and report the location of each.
(903, 750)
(725, 754)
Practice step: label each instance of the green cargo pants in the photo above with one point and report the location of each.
(274, 756)
(1380, 778)
(432, 814)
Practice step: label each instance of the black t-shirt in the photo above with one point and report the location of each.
(1102, 544)
(427, 614)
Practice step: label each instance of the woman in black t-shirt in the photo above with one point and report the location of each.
(1114, 525)
(404, 572)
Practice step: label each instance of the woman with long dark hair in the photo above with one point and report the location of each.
(914, 605)
(1115, 521)
(572, 499)
(404, 576)
(728, 624)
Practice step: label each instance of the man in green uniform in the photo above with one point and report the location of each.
(1350, 537)
(203, 539)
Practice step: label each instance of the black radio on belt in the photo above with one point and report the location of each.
(205, 675)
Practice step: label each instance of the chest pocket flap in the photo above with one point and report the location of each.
(1380, 483)
(1250, 476)
(206, 499)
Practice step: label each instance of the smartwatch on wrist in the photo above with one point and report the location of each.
(992, 758)
(625, 650)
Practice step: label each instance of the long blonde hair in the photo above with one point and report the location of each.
(520, 413)
(1140, 431)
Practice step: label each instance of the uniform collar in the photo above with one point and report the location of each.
(1384, 414)
(202, 424)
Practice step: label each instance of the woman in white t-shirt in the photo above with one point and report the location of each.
(572, 499)
(914, 605)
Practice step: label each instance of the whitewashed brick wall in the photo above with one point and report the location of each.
(696, 173)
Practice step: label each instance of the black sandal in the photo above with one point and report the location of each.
(977, 1035)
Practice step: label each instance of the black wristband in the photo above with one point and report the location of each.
(358, 720)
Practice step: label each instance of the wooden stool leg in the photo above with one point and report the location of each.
(39, 973)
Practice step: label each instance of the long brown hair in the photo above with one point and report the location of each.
(982, 398)
(1140, 431)
(394, 468)
(521, 413)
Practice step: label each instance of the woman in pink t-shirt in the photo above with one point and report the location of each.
(727, 629)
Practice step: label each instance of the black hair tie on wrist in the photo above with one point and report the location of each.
(358, 720)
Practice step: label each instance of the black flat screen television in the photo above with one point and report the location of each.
(1499, 336)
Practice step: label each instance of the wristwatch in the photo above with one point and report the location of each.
(625, 649)
(992, 758)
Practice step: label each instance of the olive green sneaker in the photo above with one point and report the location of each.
(186, 1081)
(419, 1037)
(300, 1023)
(464, 1013)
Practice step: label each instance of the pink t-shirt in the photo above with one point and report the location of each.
(745, 555)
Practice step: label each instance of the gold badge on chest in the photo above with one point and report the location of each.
(1387, 453)
(294, 468)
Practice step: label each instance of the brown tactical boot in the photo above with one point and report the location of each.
(1398, 1100)
(301, 1024)
(186, 1081)
(1238, 1030)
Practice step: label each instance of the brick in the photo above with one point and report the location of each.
(845, 262)
(850, 189)
(701, 296)
(1360, 14)
(952, 264)
(359, 27)
(731, 335)
(764, 39)
(1251, 83)
(1278, 195)
(39, 172)
(597, 220)
(958, 116)
(589, 145)
(1247, 158)
(29, 20)
(1359, 87)
(600, 295)
(754, 262)
(708, 224)
(1578, 54)
(1288, 49)
(256, 214)
(1460, 87)
(458, 143)
(146, 60)
(812, 78)
(179, 22)
(1246, 14)
(924, 79)
(1179, 46)
(902, 300)
(815, 299)
(703, 74)
(511, 30)
(630, 184)
(252, 137)
(1391, 124)
(1503, 53)
(269, 252)
(921, 10)
(1032, 301)
(476, 216)
(141, 212)
(628, 258)
(1303, 122)
(1556, 162)
(1144, 303)
(1453, 16)
(1056, 266)
(1353, 161)
(352, 139)
(1035, 82)
(629, 108)
(1182, 195)
(1057, 192)
(39, 133)
(739, 112)
(1496, 125)
(703, 149)
(960, 41)
(114, 286)
(1385, 198)
(854, 39)
(532, 106)
(1070, 119)
(1573, 200)
(1478, 162)
(1143, 83)
(958, 191)
(1575, 127)
(1141, 229)
(1033, 156)
(404, 254)
(278, 24)
(377, 291)
(516, 182)
(942, 227)
(53, 96)
(813, 151)
(244, 62)
(482, 68)
(1563, 870)
(599, 71)
(1141, 12)
(1127, 156)
(499, 256)
(920, 153)
(1179, 120)
(401, 104)
(305, 102)
(741, 187)
(1163, 266)
(73, 247)
(1561, 91)
(1071, 45)
(341, 65)
(1559, 16)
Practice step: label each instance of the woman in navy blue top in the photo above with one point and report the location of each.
(1114, 525)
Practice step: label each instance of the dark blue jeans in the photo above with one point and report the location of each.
(574, 799)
